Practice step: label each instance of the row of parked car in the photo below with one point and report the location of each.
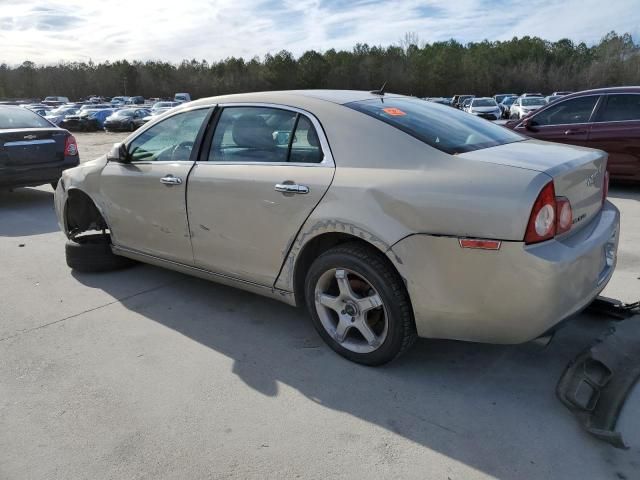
(501, 105)
(119, 114)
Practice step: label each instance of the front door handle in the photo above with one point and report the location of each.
(575, 132)
(171, 180)
(291, 188)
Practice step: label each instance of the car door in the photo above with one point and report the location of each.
(564, 121)
(616, 130)
(144, 198)
(261, 173)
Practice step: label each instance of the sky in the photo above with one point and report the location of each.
(49, 31)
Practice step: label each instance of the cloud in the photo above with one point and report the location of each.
(73, 30)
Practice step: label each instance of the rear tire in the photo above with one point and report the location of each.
(377, 296)
(92, 253)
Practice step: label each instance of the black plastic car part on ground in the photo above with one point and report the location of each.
(33, 151)
(596, 384)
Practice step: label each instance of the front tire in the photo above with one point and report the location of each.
(359, 304)
(92, 253)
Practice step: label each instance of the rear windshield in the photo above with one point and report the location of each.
(124, 113)
(447, 129)
(532, 101)
(483, 102)
(21, 118)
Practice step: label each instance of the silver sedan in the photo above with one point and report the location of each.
(387, 216)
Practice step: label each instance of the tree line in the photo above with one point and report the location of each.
(409, 67)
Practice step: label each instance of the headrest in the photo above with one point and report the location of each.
(252, 131)
(312, 137)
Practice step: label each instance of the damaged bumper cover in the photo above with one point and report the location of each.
(596, 384)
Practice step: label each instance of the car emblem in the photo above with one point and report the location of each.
(30, 137)
(591, 179)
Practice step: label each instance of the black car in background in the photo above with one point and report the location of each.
(87, 120)
(458, 100)
(33, 151)
(126, 119)
(505, 106)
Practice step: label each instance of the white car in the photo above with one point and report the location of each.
(484, 107)
(523, 106)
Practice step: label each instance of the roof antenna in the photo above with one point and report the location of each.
(380, 91)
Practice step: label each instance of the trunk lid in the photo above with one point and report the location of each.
(577, 172)
(31, 146)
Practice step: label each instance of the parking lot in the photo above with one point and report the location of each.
(148, 373)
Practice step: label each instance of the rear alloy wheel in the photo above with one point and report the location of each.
(92, 253)
(359, 304)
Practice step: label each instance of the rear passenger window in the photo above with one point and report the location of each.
(266, 135)
(305, 147)
(620, 108)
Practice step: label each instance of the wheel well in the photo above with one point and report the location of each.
(312, 250)
(81, 214)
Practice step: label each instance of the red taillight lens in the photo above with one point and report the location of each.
(605, 186)
(564, 212)
(70, 146)
(542, 222)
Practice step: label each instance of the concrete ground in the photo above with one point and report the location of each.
(150, 374)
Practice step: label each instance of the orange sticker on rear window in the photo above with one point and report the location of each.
(396, 112)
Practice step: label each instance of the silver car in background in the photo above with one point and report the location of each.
(484, 107)
(523, 106)
(387, 216)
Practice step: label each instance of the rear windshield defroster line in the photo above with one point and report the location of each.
(449, 130)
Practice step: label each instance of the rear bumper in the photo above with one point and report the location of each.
(512, 295)
(37, 174)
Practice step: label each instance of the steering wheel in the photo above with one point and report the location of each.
(182, 151)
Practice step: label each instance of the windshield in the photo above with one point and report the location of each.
(532, 101)
(21, 118)
(449, 130)
(124, 113)
(509, 100)
(63, 111)
(483, 102)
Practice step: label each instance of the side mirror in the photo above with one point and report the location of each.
(118, 153)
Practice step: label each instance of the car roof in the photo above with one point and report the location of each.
(630, 89)
(294, 97)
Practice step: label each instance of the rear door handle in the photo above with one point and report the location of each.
(171, 180)
(291, 188)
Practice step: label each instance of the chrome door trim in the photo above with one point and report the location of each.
(282, 295)
(22, 143)
(327, 160)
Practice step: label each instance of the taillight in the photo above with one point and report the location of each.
(564, 214)
(542, 221)
(70, 146)
(605, 186)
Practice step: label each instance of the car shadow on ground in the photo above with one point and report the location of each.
(27, 211)
(490, 407)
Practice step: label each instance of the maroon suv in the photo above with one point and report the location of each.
(605, 118)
